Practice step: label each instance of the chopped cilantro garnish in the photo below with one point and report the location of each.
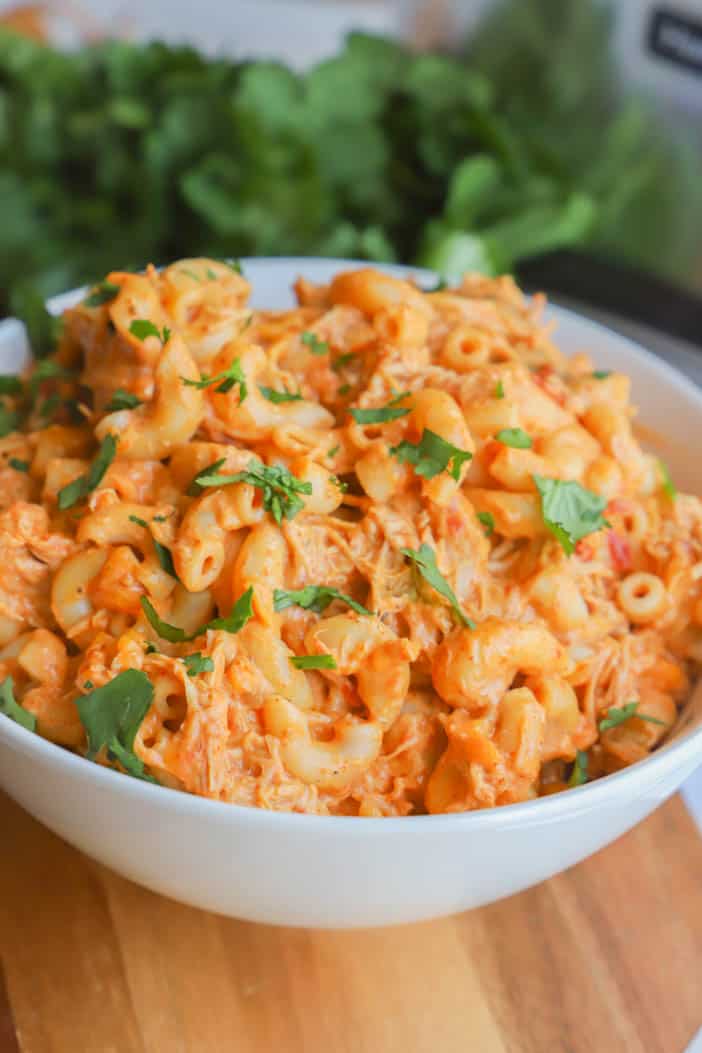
(424, 560)
(112, 715)
(578, 776)
(514, 437)
(488, 521)
(569, 511)
(314, 344)
(279, 396)
(225, 380)
(602, 374)
(163, 554)
(344, 389)
(333, 452)
(343, 361)
(122, 400)
(236, 620)
(431, 455)
(619, 715)
(194, 489)
(499, 390)
(314, 598)
(314, 661)
(280, 487)
(379, 415)
(198, 663)
(141, 328)
(101, 293)
(12, 709)
(234, 265)
(667, 485)
(72, 493)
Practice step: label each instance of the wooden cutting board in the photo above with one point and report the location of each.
(605, 958)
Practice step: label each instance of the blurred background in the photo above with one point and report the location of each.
(558, 139)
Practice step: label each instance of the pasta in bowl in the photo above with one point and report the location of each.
(386, 552)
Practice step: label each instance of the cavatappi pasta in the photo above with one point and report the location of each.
(388, 552)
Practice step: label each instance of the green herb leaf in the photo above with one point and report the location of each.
(225, 381)
(279, 396)
(514, 437)
(234, 265)
(343, 361)
(431, 455)
(344, 389)
(112, 715)
(333, 452)
(80, 488)
(314, 598)
(488, 521)
(314, 661)
(667, 485)
(194, 488)
(499, 390)
(579, 776)
(47, 369)
(602, 374)
(163, 554)
(379, 415)
(101, 293)
(141, 328)
(197, 663)
(619, 715)
(12, 709)
(314, 344)
(122, 400)
(424, 559)
(10, 385)
(569, 511)
(280, 487)
(236, 620)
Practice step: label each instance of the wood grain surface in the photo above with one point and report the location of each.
(605, 958)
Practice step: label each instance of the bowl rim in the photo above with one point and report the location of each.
(561, 805)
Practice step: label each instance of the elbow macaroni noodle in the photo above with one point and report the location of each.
(467, 584)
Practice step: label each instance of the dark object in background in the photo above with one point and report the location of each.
(122, 154)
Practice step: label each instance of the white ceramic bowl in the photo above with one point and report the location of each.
(342, 872)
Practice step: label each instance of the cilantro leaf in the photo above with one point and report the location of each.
(602, 374)
(488, 521)
(101, 293)
(80, 488)
(314, 598)
(197, 663)
(12, 709)
(194, 489)
(19, 466)
(122, 400)
(343, 360)
(240, 613)
(424, 559)
(514, 437)
(579, 776)
(10, 385)
(667, 485)
(314, 344)
(141, 328)
(333, 451)
(234, 265)
(619, 715)
(279, 396)
(225, 381)
(280, 487)
(431, 455)
(314, 661)
(112, 715)
(569, 511)
(378, 415)
(163, 554)
(499, 390)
